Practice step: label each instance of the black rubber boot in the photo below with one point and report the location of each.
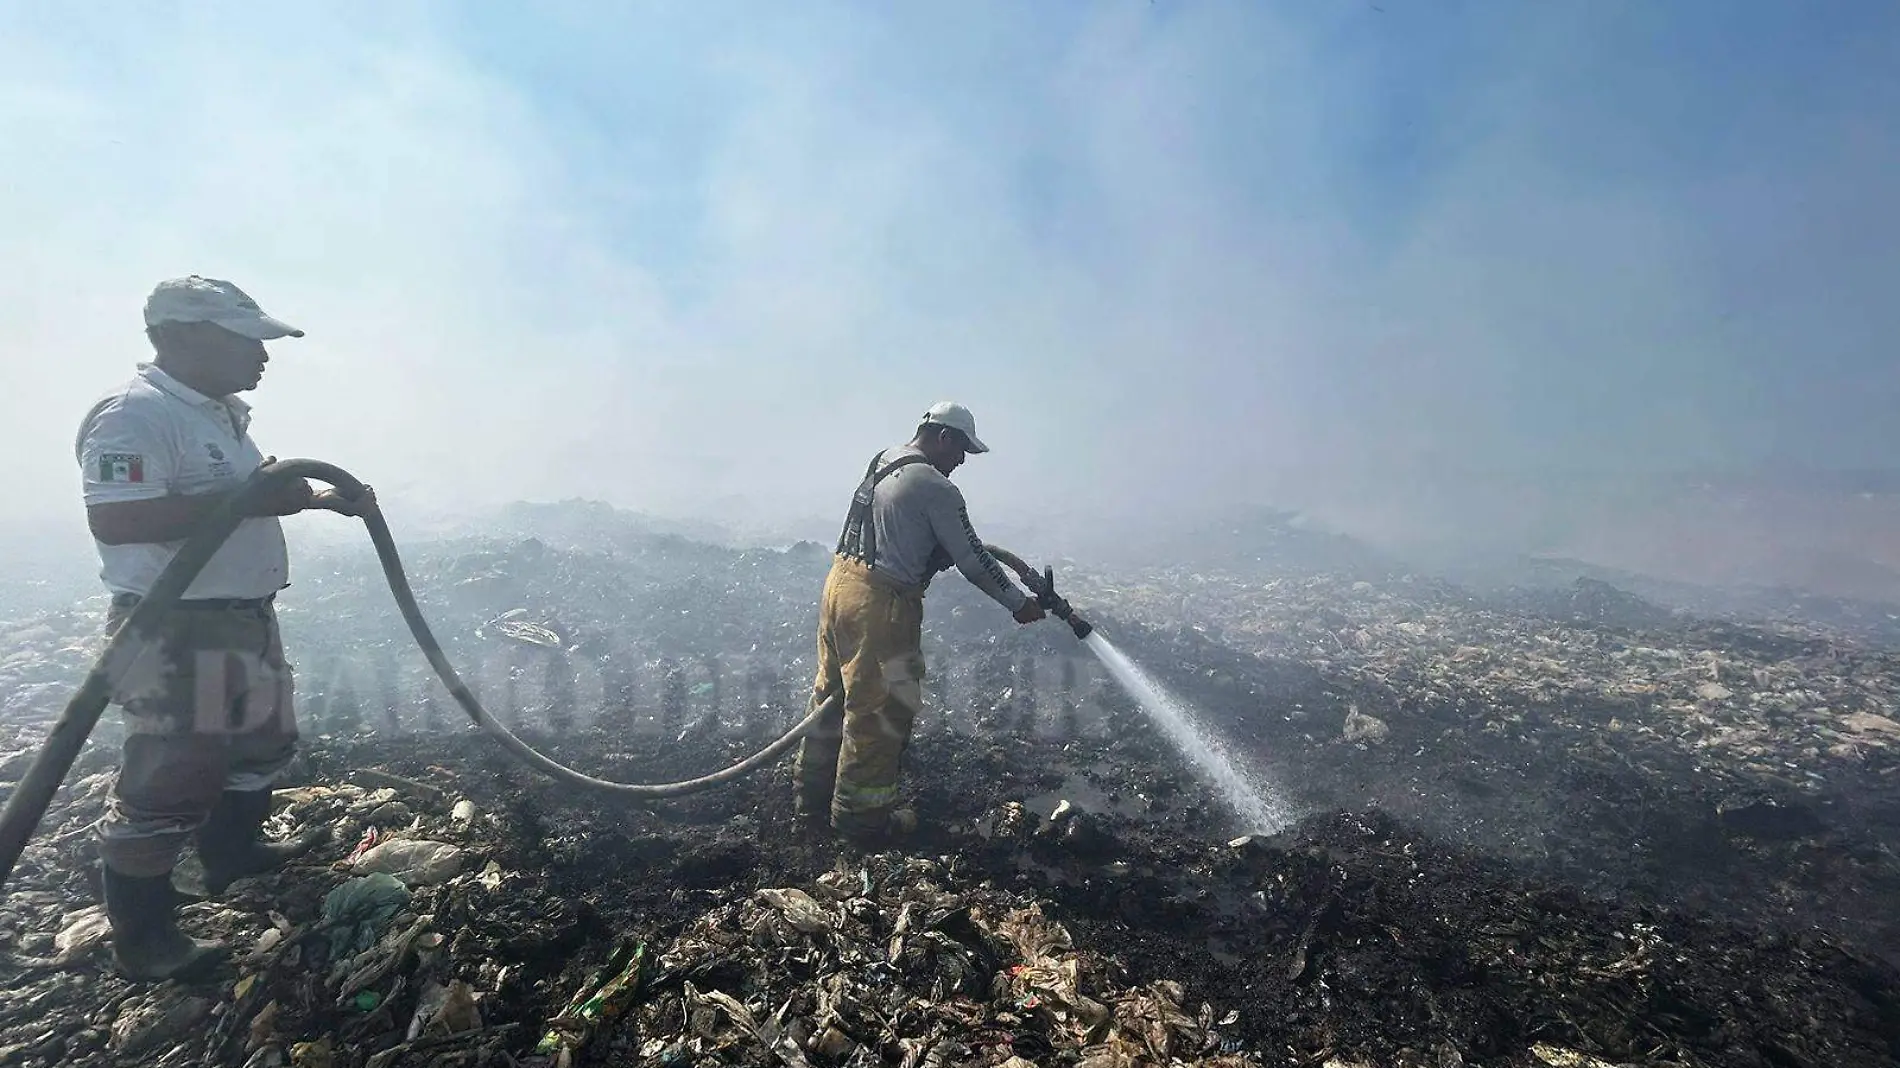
(878, 833)
(92, 872)
(145, 937)
(812, 808)
(810, 826)
(229, 844)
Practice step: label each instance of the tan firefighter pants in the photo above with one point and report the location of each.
(870, 645)
(208, 707)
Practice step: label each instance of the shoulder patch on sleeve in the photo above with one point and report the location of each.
(120, 467)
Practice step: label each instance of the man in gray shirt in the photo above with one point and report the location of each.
(907, 522)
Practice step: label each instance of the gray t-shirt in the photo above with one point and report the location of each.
(923, 527)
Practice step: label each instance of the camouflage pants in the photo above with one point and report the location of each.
(208, 708)
(870, 646)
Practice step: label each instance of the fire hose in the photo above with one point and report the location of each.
(27, 805)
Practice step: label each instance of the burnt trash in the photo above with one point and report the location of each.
(1592, 834)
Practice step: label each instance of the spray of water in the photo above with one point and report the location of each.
(1256, 810)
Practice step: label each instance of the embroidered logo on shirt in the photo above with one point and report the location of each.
(121, 467)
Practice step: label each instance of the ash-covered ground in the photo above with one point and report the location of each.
(1533, 827)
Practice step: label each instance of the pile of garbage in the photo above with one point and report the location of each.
(42, 659)
(1769, 700)
(1594, 602)
(1575, 834)
(416, 945)
(881, 963)
(485, 917)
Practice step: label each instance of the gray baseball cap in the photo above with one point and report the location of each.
(952, 414)
(195, 299)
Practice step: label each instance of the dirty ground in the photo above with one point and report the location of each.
(1578, 831)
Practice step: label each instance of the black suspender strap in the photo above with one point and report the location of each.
(859, 538)
(853, 519)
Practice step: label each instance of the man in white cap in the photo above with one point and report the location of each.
(907, 522)
(209, 717)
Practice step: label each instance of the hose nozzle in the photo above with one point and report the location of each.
(1043, 586)
(1057, 606)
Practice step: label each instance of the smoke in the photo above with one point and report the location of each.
(1374, 262)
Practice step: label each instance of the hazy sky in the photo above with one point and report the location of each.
(682, 255)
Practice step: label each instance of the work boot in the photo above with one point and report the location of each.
(94, 875)
(812, 811)
(810, 825)
(229, 844)
(879, 834)
(146, 940)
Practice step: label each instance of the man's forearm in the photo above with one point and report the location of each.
(977, 565)
(951, 523)
(159, 519)
(990, 581)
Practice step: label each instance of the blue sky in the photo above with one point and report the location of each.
(707, 257)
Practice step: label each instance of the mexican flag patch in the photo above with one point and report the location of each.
(121, 467)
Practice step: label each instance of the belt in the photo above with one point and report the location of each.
(879, 579)
(215, 604)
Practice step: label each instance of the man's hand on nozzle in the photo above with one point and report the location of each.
(355, 508)
(1029, 612)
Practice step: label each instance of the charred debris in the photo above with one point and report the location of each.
(1554, 826)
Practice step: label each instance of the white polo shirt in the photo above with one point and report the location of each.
(155, 437)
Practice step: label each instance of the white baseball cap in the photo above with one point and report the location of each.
(956, 416)
(194, 299)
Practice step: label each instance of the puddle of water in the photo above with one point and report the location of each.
(1055, 874)
(1222, 950)
(1230, 904)
(1079, 792)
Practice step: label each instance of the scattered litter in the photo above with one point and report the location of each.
(375, 777)
(470, 913)
(1558, 1057)
(603, 1000)
(1363, 728)
(358, 912)
(84, 929)
(416, 862)
(146, 1022)
(957, 966)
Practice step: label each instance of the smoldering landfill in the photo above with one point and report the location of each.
(1568, 827)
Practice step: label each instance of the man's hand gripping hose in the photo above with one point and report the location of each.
(26, 806)
(1043, 588)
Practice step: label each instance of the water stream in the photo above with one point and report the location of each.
(1259, 810)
